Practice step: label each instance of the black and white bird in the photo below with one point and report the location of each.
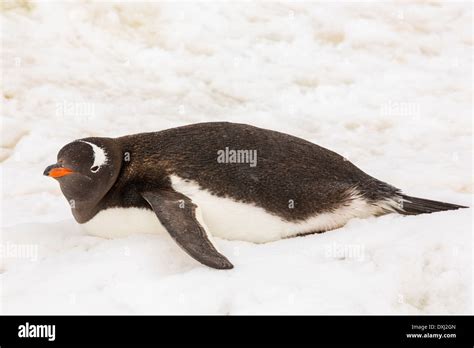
(229, 180)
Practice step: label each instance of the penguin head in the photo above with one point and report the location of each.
(86, 169)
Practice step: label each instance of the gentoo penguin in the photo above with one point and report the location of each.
(229, 180)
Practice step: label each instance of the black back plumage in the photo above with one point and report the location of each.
(293, 178)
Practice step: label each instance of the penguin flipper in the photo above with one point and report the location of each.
(177, 213)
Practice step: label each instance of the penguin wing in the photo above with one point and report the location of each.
(177, 213)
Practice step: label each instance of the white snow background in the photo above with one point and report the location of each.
(387, 85)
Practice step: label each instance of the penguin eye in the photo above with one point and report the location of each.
(94, 169)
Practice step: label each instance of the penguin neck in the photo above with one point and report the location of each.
(83, 211)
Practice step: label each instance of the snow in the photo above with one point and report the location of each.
(387, 86)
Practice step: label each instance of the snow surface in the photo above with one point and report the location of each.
(389, 86)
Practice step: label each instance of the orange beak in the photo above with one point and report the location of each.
(56, 171)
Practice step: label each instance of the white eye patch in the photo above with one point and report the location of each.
(100, 156)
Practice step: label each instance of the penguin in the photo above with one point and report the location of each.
(230, 180)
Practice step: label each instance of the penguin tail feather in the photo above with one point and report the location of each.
(414, 206)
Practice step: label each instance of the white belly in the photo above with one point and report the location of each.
(122, 222)
(225, 218)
